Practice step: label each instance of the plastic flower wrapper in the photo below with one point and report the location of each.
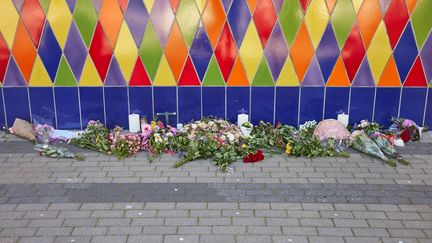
(56, 152)
(362, 143)
(44, 132)
(387, 148)
(331, 128)
(406, 129)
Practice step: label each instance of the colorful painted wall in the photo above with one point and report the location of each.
(67, 61)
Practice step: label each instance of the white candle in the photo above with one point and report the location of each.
(242, 118)
(134, 123)
(343, 118)
(179, 126)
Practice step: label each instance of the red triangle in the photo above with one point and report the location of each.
(304, 4)
(4, 57)
(139, 76)
(416, 76)
(189, 76)
(123, 5)
(174, 4)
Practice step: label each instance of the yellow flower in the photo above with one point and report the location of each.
(288, 149)
(152, 125)
(244, 146)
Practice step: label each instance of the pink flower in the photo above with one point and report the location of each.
(146, 130)
(407, 123)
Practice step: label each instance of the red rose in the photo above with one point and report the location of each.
(251, 157)
(405, 136)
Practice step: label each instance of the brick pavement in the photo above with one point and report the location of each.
(278, 200)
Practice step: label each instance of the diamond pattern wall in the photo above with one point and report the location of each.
(383, 43)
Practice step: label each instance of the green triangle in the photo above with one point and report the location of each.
(45, 5)
(421, 21)
(150, 51)
(64, 75)
(213, 76)
(263, 76)
(342, 20)
(290, 18)
(85, 17)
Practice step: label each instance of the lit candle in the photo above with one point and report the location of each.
(343, 118)
(134, 123)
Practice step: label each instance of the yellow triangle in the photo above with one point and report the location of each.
(126, 51)
(8, 21)
(89, 76)
(149, 5)
(200, 4)
(357, 4)
(164, 75)
(288, 76)
(60, 19)
(379, 52)
(39, 76)
(251, 59)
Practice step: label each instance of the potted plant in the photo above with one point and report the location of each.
(246, 129)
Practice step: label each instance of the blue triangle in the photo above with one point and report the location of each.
(114, 76)
(13, 75)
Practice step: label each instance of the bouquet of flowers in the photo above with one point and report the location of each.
(387, 147)
(254, 157)
(43, 133)
(157, 139)
(406, 129)
(362, 143)
(94, 137)
(210, 138)
(124, 145)
(56, 152)
(368, 127)
(305, 143)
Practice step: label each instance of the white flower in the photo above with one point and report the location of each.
(169, 134)
(223, 138)
(230, 137)
(158, 138)
(194, 126)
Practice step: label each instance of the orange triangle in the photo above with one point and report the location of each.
(189, 76)
(411, 5)
(338, 77)
(238, 75)
(331, 4)
(416, 77)
(390, 77)
(139, 75)
(252, 4)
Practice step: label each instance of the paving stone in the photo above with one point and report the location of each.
(217, 238)
(111, 239)
(54, 231)
(325, 239)
(90, 231)
(42, 239)
(145, 238)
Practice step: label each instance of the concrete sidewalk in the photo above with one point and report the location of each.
(280, 199)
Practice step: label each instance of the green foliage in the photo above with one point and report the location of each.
(94, 137)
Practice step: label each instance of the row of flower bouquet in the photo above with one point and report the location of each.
(224, 142)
